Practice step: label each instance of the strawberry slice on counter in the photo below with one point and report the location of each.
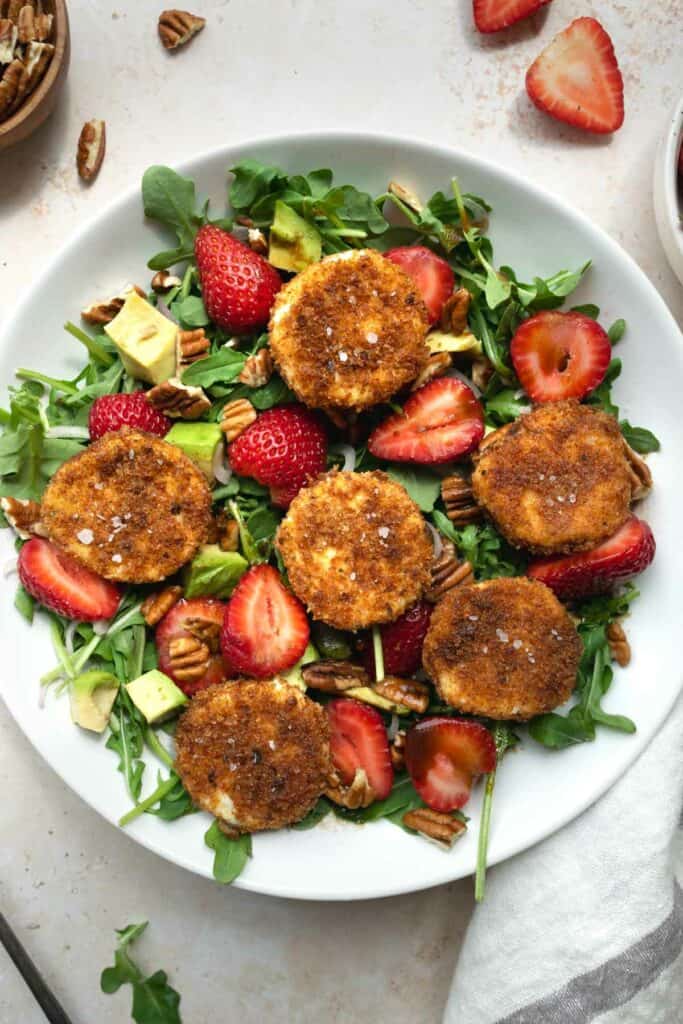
(576, 79)
(444, 756)
(111, 412)
(238, 285)
(265, 629)
(282, 449)
(432, 275)
(440, 421)
(63, 585)
(494, 15)
(402, 642)
(560, 355)
(358, 739)
(622, 556)
(197, 618)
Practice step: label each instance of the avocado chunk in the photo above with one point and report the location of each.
(155, 695)
(92, 697)
(199, 442)
(146, 340)
(368, 696)
(293, 243)
(213, 572)
(294, 675)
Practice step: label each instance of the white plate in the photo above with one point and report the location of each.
(668, 204)
(537, 791)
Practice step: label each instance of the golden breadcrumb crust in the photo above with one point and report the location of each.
(349, 332)
(262, 745)
(555, 480)
(356, 549)
(505, 649)
(130, 507)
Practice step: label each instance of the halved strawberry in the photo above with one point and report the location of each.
(238, 285)
(560, 355)
(111, 412)
(441, 421)
(402, 642)
(576, 79)
(444, 756)
(358, 739)
(493, 15)
(64, 585)
(265, 629)
(622, 556)
(432, 275)
(199, 618)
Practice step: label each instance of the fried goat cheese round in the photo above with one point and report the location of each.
(349, 332)
(555, 480)
(356, 549)
(130, 507)
(253, 753)
(504, 649)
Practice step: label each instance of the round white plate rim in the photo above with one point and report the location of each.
(668, 212)
(345, 139)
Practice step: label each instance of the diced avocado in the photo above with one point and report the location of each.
(368, 696)
(155, 695)
(331, 642)
(442, 341)
(293, 243)
(199, 442)
(213, 572)
(145, 339)
(294, 675)
(92, 697)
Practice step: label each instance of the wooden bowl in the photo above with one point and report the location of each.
(41, 102)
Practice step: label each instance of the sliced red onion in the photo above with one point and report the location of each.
(437, 540)
(165, 311)
(393, 727)
(69, 636)
(220, 469)
(9, 567)
(42, 694)
(465, 379)
(101, 626)
(76, 433)
(349, 457)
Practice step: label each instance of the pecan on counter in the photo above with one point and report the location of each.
(92, 144)
(176, 28)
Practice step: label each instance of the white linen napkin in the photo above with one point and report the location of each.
(588, 925)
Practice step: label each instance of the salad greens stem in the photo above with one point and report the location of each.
(51, 382)
(149, 801)
(379, 654)
(94, 348)
(504, 738)
(60, 649)
(157, 747)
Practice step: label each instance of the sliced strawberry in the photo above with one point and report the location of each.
(619, 558)
(238, 285)
(358, 739)
(432, 275)
(111, 412)
(402, 642)
(199, 618)
(444, 756)
(560, 355)
(265, 629)
(440, 421)
(576, 79)
(493, 15)
(64, 585)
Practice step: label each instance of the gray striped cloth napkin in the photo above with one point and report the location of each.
(588, 925)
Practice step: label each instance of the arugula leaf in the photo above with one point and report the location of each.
(504, 739)
(504, 406)
(423, 486)
(482, 546)
(314, 816)
(154, 1001)
(190, 312)
(170, 199)
(641, 440)
(588, 309)
(252, 181)
(617, 331)
(127, 739)
(221, 367)
(230, 855)
(24, 603)
(601, 397)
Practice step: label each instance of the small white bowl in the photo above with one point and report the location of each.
(668, 204)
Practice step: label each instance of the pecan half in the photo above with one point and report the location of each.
(257, 370)
(23, 515)
(227, 531)
(42, 26)
(359, 794)
(447, 572)
(26, 25)
(92, 144)
(156, 605)
(163, 280)
(37, 59)
(408, 692)
(13, 87)
(103, 311)
(189, 658)
(206, 630)
(191, 346)
(8, 40)
(257, 241)
(13, 8)
(641, 477)
(435, 825)
(457, 496)
(437, 364)
(618, 644)
(331, 676)
(454, 315)
(406, 196)
(236, 417)
(178, 400)
(177, 28)
(397, 750)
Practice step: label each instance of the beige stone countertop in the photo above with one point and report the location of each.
(412, 67)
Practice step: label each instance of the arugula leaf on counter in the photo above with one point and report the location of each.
(230, 855)
(154, 1001)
